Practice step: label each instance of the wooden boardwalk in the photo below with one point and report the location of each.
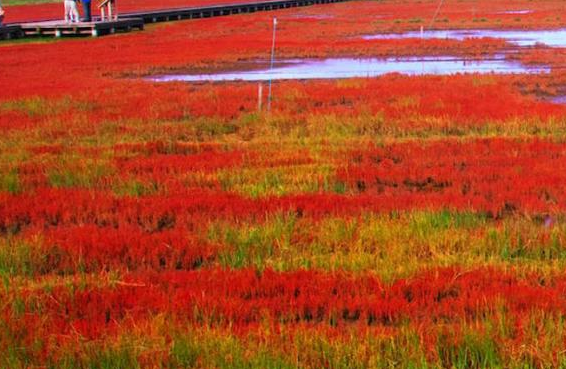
(136, 20)
(222, 10)
(62, 28)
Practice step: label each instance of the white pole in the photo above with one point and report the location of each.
(271, 65)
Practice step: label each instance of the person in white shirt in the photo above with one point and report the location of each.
(71, 11)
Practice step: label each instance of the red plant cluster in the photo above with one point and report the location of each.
(16, 120)
(208, 161)
(161, 147)
(171, 164)
(497, 176)
(245, 298)
(463, 101)
(494, 175)
(92, 248)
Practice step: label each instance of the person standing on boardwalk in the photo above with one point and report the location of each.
(71, 11)
(87, 16)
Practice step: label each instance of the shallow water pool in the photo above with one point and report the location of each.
(369, 67)
(552, 38)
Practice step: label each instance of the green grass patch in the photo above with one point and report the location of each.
(392, 245)
(26, 2)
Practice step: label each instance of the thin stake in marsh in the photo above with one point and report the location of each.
(259, 95)
(271, 65)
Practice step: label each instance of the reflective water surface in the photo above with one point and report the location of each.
(516, 12)
(308, 16)
(559, 100)
(369, 67)
(553, 38)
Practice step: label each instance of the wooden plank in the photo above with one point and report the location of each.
(62, 28)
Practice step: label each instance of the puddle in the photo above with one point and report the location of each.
(518, 12)
(349, 68)
(553, 38)
(310, 16)
(561, 100)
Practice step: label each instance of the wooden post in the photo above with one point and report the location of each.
(259, 95)
(271, 64)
